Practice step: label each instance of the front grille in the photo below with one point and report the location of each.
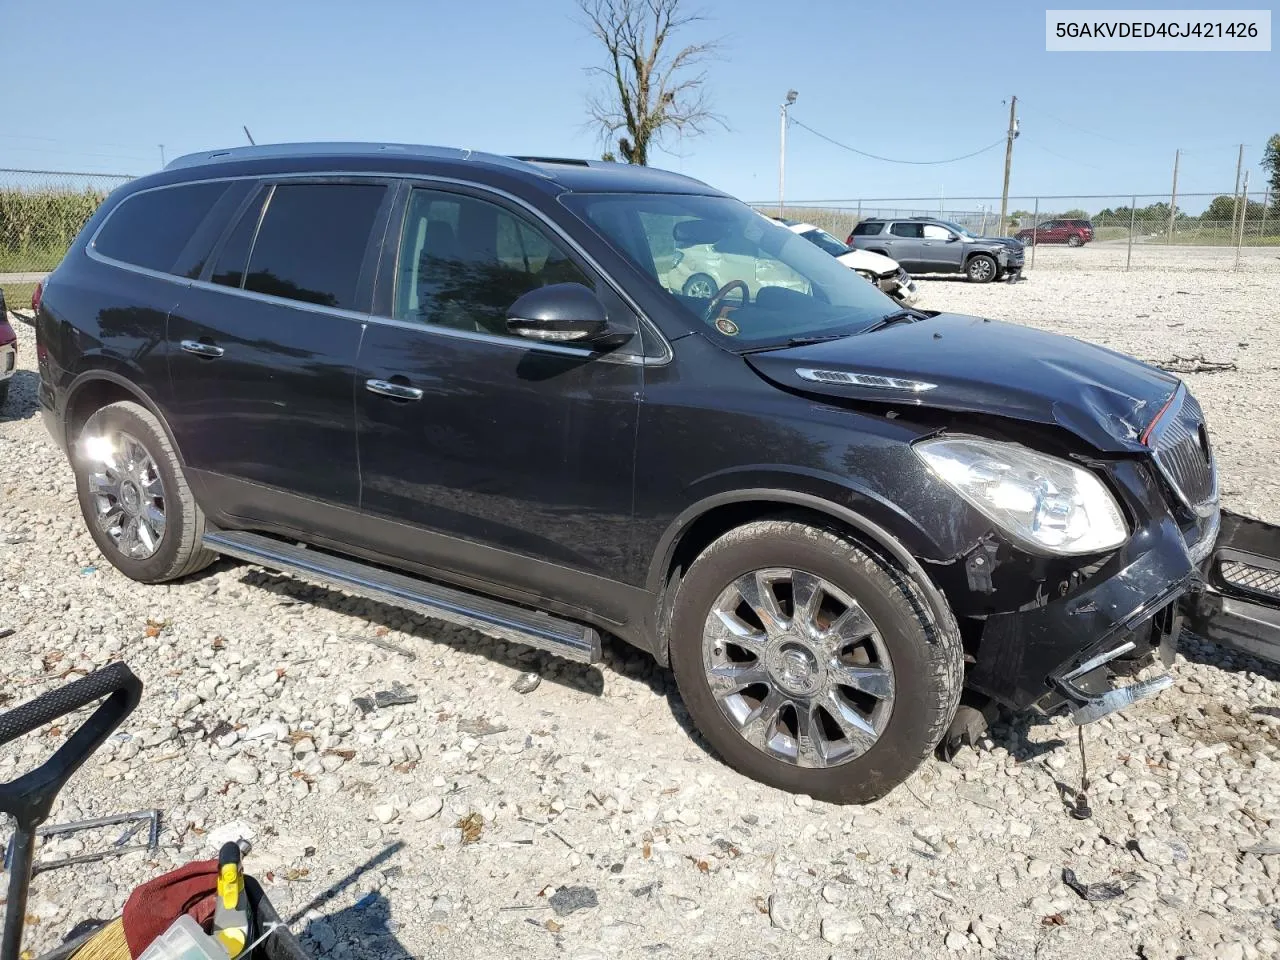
(1245, 576)
(1180, 445)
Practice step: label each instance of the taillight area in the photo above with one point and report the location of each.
(36, 296)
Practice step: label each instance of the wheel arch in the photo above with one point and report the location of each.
(703, 522)
(94, 389)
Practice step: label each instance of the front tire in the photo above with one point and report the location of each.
(810, 664)
(1074, 241)
(135, 498)
(700, 286)
(981, 268)
(4, 393)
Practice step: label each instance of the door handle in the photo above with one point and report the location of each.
(396, 391)
(202, 349)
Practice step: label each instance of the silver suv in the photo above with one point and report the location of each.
(926, 245)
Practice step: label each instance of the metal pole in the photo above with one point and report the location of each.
(162, 156)
(1173, 197)
(1235, 193)
(1266, 201)
(1008, 162)
(1035, 226)
(1243, 203)
(1133, 216)
(19, 884)
(1244, 210)
(782, 156)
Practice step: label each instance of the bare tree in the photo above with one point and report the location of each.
(648, 92)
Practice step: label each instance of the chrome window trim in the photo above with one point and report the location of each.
(647, 325)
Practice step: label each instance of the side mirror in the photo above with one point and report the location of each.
(564, 313)
(952, 237)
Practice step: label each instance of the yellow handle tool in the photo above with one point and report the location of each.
(231, 915)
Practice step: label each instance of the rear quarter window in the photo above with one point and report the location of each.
(866, 229)
(151, 229)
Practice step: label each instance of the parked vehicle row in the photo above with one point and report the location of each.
(927, 245)
(1074, 233)
(884, 272)
(488, 389)
(8, 350)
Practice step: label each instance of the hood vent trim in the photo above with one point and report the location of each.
(877, 381)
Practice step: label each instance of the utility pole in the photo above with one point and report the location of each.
(1173, 197)
(1008, 162)
(782, 147)
(162, 156)
(1235, 194)
(1244, 212)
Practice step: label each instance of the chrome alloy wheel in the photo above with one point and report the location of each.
(798, 667)
(982, 269)
(127, 493)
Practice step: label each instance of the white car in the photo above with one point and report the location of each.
(883, 271)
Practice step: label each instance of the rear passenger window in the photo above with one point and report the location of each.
(906, 230)
(229, 270)
(151, 229)
(867, 229)
(312, 242)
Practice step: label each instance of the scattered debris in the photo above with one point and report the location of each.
(567, 900)
(1196, 363)
(1262, 850)
(1097, 891)
(480, 727)
(7, 632)
(526, 682)
(471, 826)
(388, 645)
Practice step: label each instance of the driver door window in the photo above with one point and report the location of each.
(463, 261)
(934, 232)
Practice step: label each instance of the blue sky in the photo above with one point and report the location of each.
(99, 86)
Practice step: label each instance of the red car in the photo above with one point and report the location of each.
(1073, 233)
(8, 351)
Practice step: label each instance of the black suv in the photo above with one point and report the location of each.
(926, 245)
(471, 385)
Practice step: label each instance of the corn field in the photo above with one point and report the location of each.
(42, 212)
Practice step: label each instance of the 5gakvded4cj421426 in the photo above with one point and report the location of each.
(476, 386)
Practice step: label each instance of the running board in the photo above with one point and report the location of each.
(567, 639)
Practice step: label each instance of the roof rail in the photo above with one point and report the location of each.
(570, 161)
(279, 150)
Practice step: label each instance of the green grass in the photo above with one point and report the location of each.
(31, 259)
(17, 296)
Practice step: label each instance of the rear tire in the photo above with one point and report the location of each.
(905, 714)
(135, 498)
(981, 268)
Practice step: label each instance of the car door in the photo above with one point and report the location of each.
(485, 456)
(263, 349)
(940, 250)
(902, 243)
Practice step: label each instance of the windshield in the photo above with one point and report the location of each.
(825, 241)
(958, 229)
(769, 285)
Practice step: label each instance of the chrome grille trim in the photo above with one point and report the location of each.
(1175, 443)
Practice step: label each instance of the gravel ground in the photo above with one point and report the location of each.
(584, 818)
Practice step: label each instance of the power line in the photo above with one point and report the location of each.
(863, 153)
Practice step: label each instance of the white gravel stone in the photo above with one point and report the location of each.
(242, 771)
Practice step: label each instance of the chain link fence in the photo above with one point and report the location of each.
(41, 211)
(1210, 231)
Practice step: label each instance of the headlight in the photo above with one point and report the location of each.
(1046, 503)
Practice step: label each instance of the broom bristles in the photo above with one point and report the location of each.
(107, 944)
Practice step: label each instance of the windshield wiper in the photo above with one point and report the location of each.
(898, 316)
(798, 342)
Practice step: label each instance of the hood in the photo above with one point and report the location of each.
(1008, 241)
(984, 366)
(876, 263)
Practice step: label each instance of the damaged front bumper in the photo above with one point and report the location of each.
(1238, 604)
